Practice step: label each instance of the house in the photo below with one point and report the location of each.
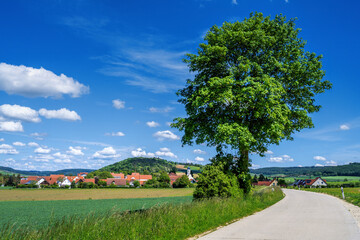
(317, 182)
(273, 182)
(137, 177)
(173, 177)
(118, 175)
(82, 174)
(29, 180)
(116, 181)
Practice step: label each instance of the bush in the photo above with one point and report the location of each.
(213, 182)
(136, 184)
(182, 182)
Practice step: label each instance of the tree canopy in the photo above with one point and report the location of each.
(254, 85)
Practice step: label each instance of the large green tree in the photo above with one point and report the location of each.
(254, 85)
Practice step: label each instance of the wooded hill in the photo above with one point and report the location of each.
(10, 171)
(146, 166)
(352, 169)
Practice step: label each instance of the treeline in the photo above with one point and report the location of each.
(352, 169)
(68, 172)
(9, 180)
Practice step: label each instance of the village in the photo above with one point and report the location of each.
(118, 180)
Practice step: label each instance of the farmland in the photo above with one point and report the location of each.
(352, 195)
(85, 194)
(40, 213)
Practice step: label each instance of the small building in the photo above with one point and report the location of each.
(138, 177)
(273, 182)
(173, 177)
(116, 181)
(317, 182)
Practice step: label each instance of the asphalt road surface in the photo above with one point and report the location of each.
(300, 215)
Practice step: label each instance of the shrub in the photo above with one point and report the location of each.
(136, 184)
(213, 182)
(182, 182)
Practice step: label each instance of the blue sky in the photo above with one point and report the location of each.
(88, 83)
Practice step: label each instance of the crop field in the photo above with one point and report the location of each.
(42, 213)
(82, 194)
(352, 195)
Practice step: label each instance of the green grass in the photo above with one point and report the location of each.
(352, 195)
(40, 213)
(165, 222)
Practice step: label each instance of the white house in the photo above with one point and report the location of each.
(317, 182)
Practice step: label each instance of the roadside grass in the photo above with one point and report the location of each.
(161, 222)
(352, 195)
(78, 194)
(41, 213)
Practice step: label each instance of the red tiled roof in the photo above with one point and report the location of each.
(118, 175)
(116, 181)
(90, 180)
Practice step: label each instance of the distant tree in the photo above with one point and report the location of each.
(101, 183)
(164, 178)
(282, 182)
(261, 177)
(173, 169)
(254, 85)
(182, 182)
(73, 184)
(255, 179)
(136, 184)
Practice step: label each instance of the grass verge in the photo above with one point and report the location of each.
(162, 222)
(352, 195)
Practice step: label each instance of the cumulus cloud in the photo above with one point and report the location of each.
(161, 110)
(199, 159)
(165, 152)
(118, 104)
(320, 158)
(11, 126)
(33, 82)
(66, 160)
(115, 134)
(60, 155)
(2, 139)
(199, 151)
(281, 159)
(168, 135)
(318, 165)
(8, 149)
(76, 151)
(106, 153)
(63, 114)
(152, 124)
(330, 163)
(235, 2)
(269, 152)
(18, 112)
(20, 144)
(42, 150)
(344, 127)
(33, 144)
(141, 153)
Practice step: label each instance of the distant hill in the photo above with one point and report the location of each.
(8, 170)
(352, 169)
(150, 165)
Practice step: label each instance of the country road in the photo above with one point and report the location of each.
(300, 215)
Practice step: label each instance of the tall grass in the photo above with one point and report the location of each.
(352, 195)
(161, 222)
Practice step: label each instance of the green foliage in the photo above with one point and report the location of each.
(182, 182)
(73, 184)
(255, 85)
(352, 169)
(282, 182)
(102, 183)
(136, 184)
(213, 182)
(164, 178)
(100, 174)
(140, 165)
(171, 221)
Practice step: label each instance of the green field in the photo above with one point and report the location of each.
(352, 195)
(327, 178)
(39, 213)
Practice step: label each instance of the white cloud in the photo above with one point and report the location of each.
(254, 166)
(199, 159)
(281, 159)
(75, 151)
(235, 2)
(165, 152)
(8, 149)
(33, 144)
(33, 82)
(42, 150)
(61, 155)
(152, 124)
(63, 114)
(66, 160)
(141, 153)
(162, 135)
(115, 134)
(11, 126)
(318, 165)
(330, 163)
(199, 151)
(20, 144)
(168, 123)
(269, 152)
(344, 127)
(161, 110)
(320, 158)
(2, 139)
(118, 104)
(106, 153)
(19, 113)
